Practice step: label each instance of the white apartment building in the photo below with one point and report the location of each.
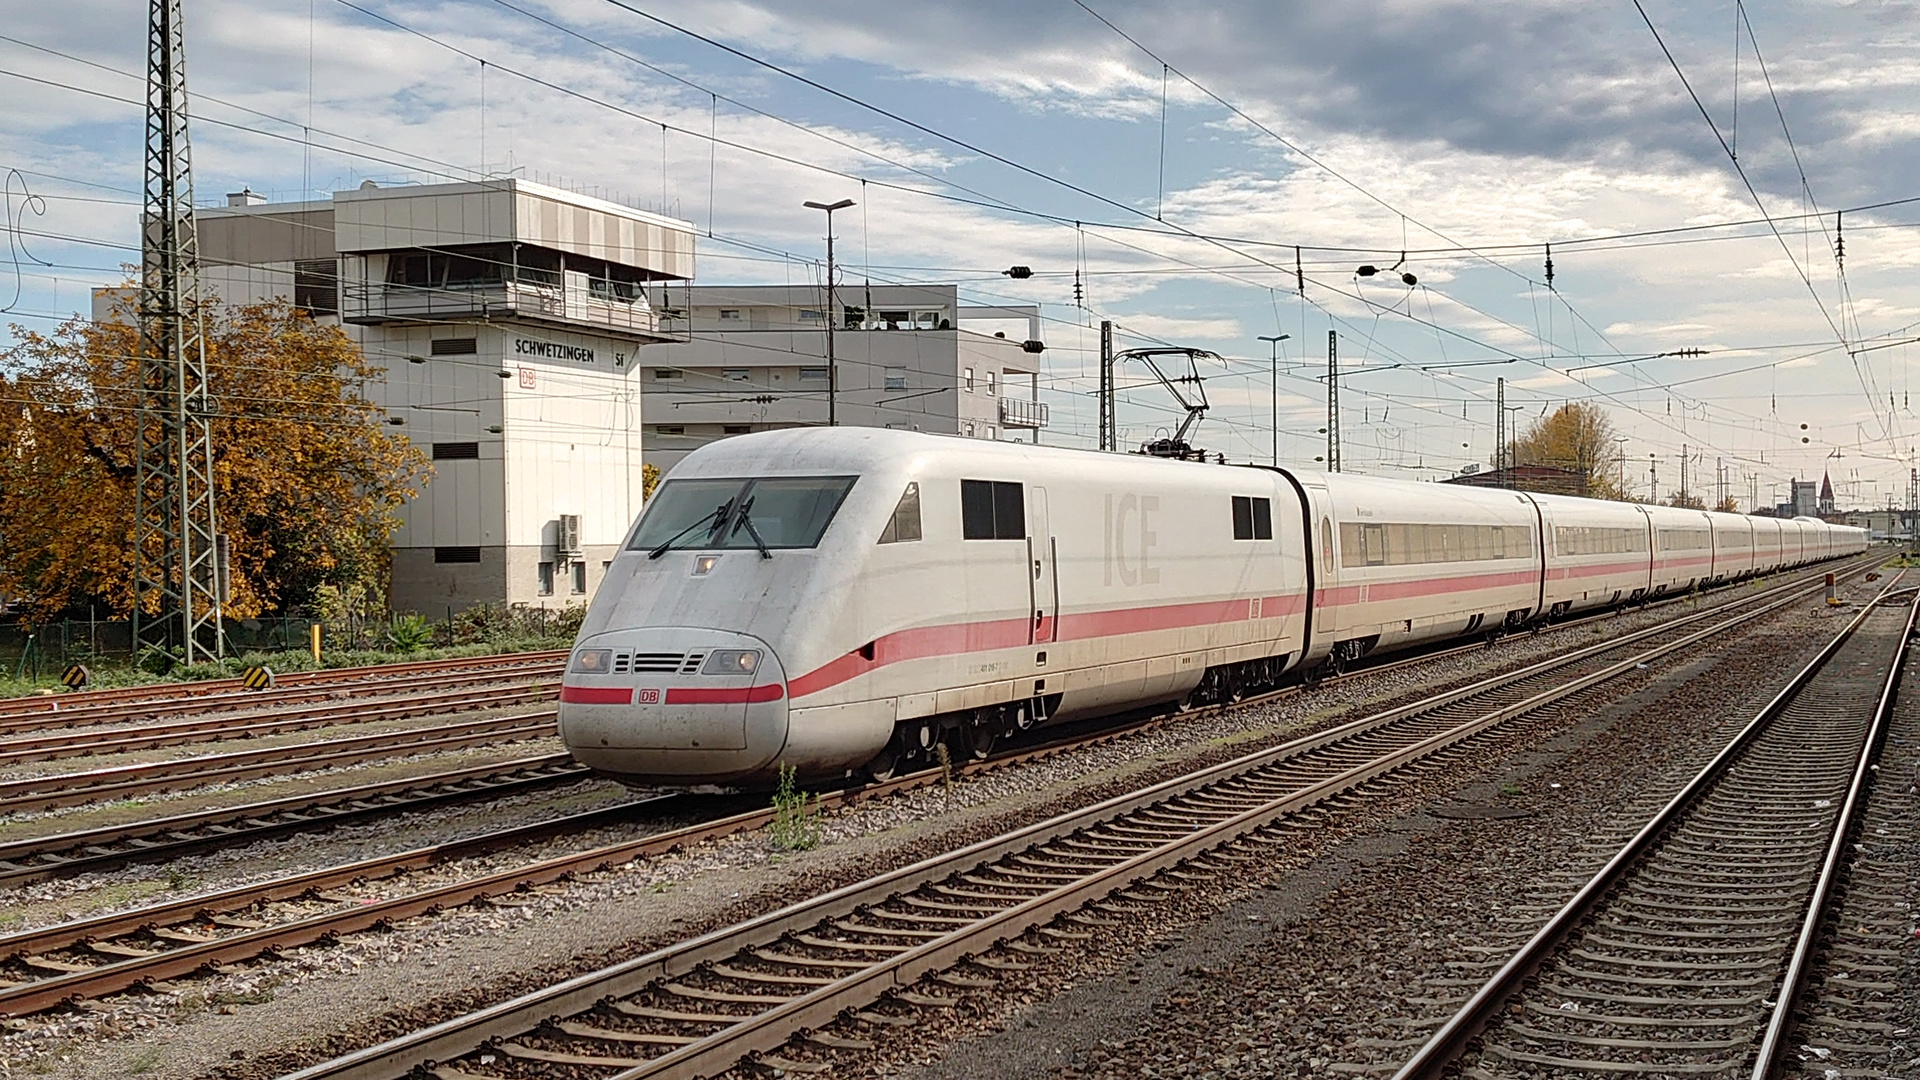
(753, 357)
(509, 317)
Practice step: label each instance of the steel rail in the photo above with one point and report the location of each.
(64, 854)
(1446, 1045)
(132, 971)
(74, 789)
(64, 744)
(52, 704)
(1793, 982)
(1214, 823)
(336, 696)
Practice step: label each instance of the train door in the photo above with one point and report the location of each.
(1043, 580)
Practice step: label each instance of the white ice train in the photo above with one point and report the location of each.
(845, 599)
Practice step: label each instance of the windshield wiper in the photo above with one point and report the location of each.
(717, 518)
(746, 519)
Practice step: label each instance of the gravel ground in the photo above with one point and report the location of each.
(1338, 958)
(318, 1001)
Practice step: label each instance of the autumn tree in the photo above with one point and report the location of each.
(308, 479)
(1687, 500)
(1577, 437)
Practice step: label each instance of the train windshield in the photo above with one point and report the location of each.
(771, 512)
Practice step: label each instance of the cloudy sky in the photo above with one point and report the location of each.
(1178, 160)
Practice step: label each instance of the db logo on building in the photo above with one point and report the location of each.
(649, 697)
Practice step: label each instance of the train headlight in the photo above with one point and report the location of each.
(593, 661)
(731, 662)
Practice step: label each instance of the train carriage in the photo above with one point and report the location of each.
(1415, 562)
(1598, 553)
(1732, 547)
(1682, 548)
(938, 587)
(1768, 547)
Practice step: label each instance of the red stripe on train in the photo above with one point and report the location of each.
(597, 695)
(744, 695)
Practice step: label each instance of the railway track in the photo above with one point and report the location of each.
(90, 957)
(1686, 953)
(46, 745)
(40, 858)
(127, 781)
(862, 958)
(130, 702)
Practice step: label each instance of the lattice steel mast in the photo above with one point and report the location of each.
(174, 561)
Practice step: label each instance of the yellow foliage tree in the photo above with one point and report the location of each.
(1577, 437)
(307, 478)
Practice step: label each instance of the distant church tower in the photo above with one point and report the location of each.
(1826, 495)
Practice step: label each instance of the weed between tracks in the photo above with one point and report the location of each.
(796, 821)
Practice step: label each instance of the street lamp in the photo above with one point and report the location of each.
(1273, 347)
(833, 369)
(1620, 441)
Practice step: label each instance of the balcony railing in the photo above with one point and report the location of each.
(576, 303)
(1022, 413)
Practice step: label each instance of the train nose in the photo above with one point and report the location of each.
(669, 704)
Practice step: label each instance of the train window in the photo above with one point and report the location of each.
(1252, 518)
(1373, 544)
(1364, 544)
(904, 525)
(992, 510)
(775, 512)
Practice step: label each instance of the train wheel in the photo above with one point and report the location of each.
(973, 742)
(884, 766)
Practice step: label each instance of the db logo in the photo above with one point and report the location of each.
(649, 697)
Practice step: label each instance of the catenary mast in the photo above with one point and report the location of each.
(175, 565)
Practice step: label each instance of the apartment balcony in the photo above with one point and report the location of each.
(1022, 413)
(578, 302)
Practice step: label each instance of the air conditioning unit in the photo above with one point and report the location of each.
(568, 542)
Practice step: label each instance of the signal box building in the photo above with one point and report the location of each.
(509, 317)
(753, 357)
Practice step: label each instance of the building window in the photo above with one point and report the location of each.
(894, 320)
(966, 379)
(579, 578)
(896, 378)
(735, 374)
(992, 432)
(813, 374)
(904, 525)
(992, 510)
(456, 451)
(1252, 518)
(316, 286)
(456, 554)
(969, 429)
(736, 429)
(992, 376)
(669, 429)
(663, 374)
(811, 315)
(454, 346)
(546, 579)
(928, 320)
(730, 314)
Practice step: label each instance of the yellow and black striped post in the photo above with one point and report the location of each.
(257, 678)
(75, 676)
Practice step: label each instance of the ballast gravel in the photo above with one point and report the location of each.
(262, 1018)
